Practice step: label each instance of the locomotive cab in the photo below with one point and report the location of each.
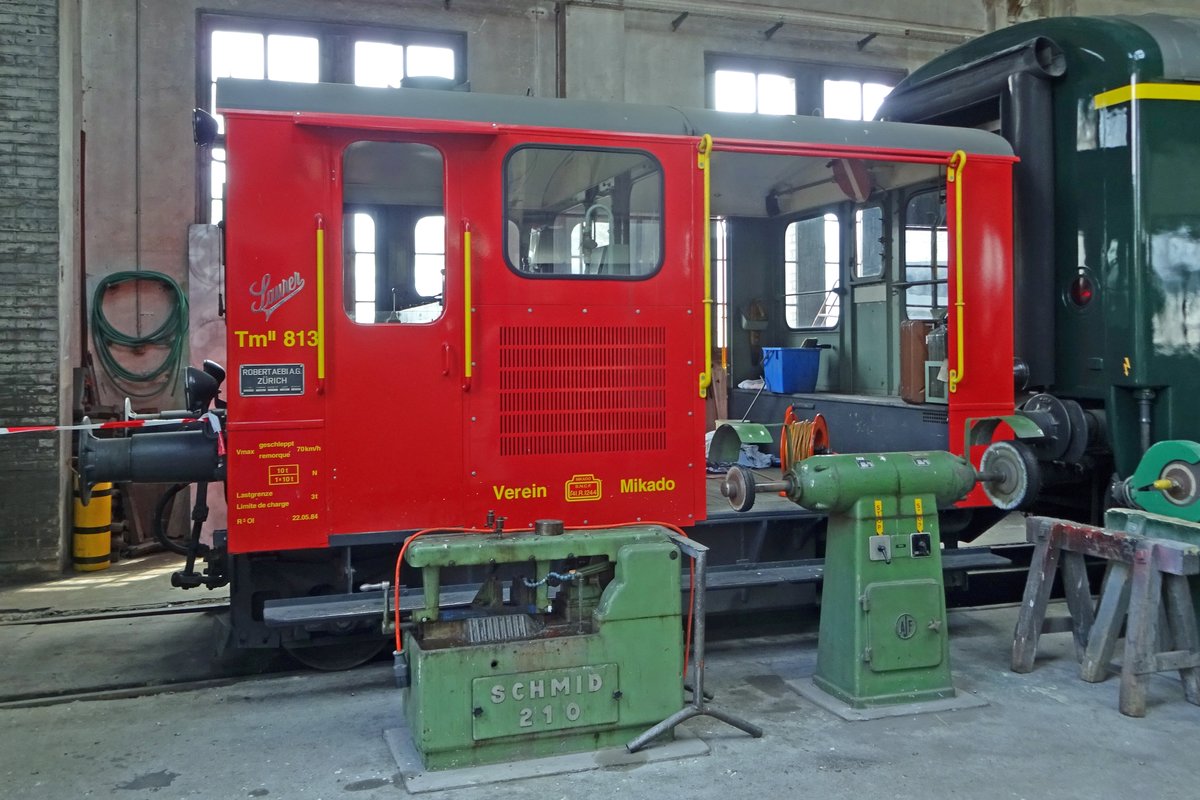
(447, 308)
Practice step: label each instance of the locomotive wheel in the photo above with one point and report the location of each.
(1017, 476)
(337, 655)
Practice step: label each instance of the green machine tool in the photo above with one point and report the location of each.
(573, 642)
(1166, 481)
(1166, 484)
(883, 636)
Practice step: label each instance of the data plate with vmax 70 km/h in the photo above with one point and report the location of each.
(271, 379)
(548, 700)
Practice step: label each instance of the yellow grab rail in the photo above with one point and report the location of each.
(467, 355)
(320, 300)
(957, 162)
(703, 156)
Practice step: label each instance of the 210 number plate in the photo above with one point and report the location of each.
(547, 700)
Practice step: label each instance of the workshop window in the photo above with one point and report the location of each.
(394, 240)
(583, 213)
(235, 46)
(754, 92)
(777, 86)
(385, 64)
(812, 263)
(926, 256)
(853, 99)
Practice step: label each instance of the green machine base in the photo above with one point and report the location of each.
(883, 634)
(532, 672)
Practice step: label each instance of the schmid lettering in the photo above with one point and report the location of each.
(646, 485)
(531, 492)
(554, 687)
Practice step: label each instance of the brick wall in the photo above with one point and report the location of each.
(29, 265)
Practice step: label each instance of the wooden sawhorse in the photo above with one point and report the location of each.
(1140, 566)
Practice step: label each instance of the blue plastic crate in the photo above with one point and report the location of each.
(791, 370)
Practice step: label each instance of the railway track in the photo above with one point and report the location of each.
(167, 648)
(50, 616)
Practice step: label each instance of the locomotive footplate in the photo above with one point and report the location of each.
(573, 643)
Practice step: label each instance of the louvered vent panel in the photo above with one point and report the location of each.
(582, 390)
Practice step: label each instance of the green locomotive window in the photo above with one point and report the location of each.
(869, 243)
(394, 232)
(580, 213)
(812, 263)
(926, 256)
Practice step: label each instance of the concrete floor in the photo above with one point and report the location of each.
(316, 735)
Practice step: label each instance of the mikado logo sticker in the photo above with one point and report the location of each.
(583, 488)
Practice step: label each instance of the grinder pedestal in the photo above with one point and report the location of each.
(883, 638)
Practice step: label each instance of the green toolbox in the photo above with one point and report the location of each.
(572, 643)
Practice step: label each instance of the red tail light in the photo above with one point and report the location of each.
(1082, 291)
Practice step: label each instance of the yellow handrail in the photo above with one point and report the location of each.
(957, 162)
(320, 298)
(703, 156)
(467, 302)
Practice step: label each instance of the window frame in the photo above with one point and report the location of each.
(885, 223)
(904, 283)
(839, 287)
(809, 76)
(662, 217)
(341, 190)
(335, 65)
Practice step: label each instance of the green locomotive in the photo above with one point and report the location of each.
(1104, 113)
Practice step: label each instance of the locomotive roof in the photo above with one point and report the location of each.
(1155, 46)
(536, 112)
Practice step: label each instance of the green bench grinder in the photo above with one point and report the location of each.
(883, 637)
(573, 642)
(1165, 483)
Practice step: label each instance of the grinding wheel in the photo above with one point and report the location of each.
(1015, 472)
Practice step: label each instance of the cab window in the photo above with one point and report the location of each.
(926, 256)
(394, 233)
(583, 213)
(812, 261)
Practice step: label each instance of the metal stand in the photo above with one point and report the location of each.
(699, 554)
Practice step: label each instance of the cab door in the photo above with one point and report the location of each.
(396, 374)
(588, 333)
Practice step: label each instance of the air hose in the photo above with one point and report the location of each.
(160, 522)
(171, 334)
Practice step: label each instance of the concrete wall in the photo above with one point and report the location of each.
(31, 516)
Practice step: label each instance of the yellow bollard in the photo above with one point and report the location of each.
(92, 542)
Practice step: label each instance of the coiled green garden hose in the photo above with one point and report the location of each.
(171, 334)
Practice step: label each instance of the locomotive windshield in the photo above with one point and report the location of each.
(583, 213)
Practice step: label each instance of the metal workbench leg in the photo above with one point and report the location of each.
(699, 555)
